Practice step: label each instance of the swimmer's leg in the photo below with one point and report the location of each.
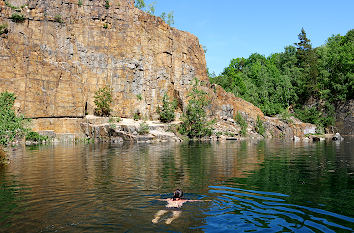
(158, 215)
(175, 215)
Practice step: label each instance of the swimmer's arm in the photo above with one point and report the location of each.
(197, 200)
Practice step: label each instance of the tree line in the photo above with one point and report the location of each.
(304, 81)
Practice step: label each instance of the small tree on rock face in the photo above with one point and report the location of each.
(167, 111)
(103, 100)
(11, 126)
(140, 4)
(194, 120)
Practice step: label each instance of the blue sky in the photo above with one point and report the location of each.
(233, 28)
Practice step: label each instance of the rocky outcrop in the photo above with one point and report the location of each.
(345, 118)
(63, 52)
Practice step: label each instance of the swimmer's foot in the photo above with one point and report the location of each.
(168, 221)
(155, 220)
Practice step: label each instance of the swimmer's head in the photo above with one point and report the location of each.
(177, 194)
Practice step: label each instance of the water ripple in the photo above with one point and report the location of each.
(249, 210)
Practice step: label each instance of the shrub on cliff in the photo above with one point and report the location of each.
(143, 128)
(194, 120)
(3, 29)
(17, 18)
(242, 122)
(103, 101)
(11, 126)
(260, 127)
(167, 111)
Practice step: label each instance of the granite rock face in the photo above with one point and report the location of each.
(63, 52)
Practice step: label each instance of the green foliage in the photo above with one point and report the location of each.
(194, 120)
(12, 127)
(137, 116)
(11, 6)
(170, 19)
(167, 111)
(307, 62)
(151, 8)
(242, 122)
(285, 116)
(103, 101)
(139, 97)
(35, 137)
(79, 3)
(163, 16)
(260, 127)
(143, 128)
(295, 78)
(17, 18)
(114, 120)
(3, 29)
(105, 26)
(312, 115)
(106, 5)
(58, 19)
(140, 4)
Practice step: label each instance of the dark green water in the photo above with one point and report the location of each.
(253, 187)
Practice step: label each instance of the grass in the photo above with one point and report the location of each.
(17, 18)
(3, 29)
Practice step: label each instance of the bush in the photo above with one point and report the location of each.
(58, 19)
(194, 120)
(11, 126)
(242, 122)
(285, 116)
(137, 116)
(3, 29)
(17, 18)
(107, 4)
(260, 127)
(79, 3)
(167, 112)
(143, 129)
(103, 101)
(35, 137)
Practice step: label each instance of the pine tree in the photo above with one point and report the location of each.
(306, 60)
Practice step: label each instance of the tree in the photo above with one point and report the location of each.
(167, 111)
(140, 4)
(11, 126)
(103, 100)
(151, 8)
(170, 18)
(306, 60)
(194, 119)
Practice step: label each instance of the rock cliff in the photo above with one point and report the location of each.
(62, 52)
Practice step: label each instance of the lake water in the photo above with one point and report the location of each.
(252, 187)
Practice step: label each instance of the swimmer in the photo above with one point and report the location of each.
(173, 204)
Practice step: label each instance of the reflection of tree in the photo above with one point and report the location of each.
(310, 174)
(9, 198)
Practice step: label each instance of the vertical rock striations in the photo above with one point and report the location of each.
(54, 55)
(63, 52)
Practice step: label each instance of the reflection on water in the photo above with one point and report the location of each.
(269, 186)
